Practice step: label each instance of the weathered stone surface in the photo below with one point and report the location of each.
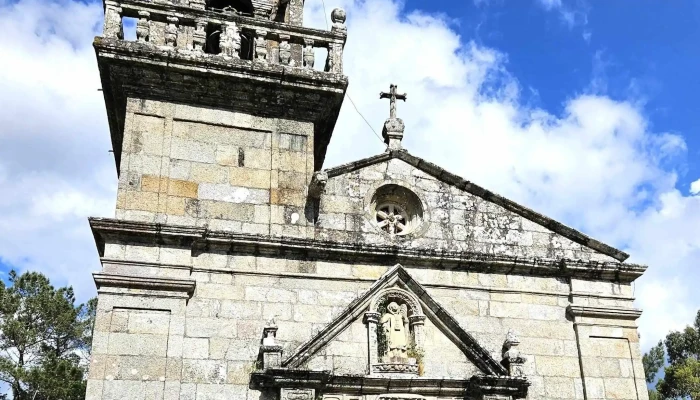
(221, 196)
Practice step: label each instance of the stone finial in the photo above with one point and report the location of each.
(270, 350)
(338, 17)
(270, 333)
(318, 184)
(393, 127)
(512, 359)
(511, 339)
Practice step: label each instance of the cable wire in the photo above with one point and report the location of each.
(363, 117)
(325, 15)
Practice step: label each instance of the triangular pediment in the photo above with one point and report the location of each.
(440, 174)
(398, 279)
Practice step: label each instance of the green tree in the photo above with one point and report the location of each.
(653, 361)
(682, 374)
(44, 336)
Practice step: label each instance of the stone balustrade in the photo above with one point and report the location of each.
(192, 29)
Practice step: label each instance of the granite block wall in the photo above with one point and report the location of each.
(205, 347)
(229, 171)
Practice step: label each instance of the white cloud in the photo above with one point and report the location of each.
(695, 187)
(550, 4)
(597, 165)
(54, 166)
(571, 13)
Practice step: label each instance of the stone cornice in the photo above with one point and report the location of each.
(603, 312)
(147, 283)
(160, 77)
(202, 240)
(326, 382)
(445, 176)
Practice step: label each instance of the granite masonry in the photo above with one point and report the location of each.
(237, 267)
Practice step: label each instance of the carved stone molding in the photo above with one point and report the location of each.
(326, 383)
(578, 311)
(383, 368)
(297, 394)
(411, 300)
(114, 230)
(184, 286)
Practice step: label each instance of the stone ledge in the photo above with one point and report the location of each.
(202, 240)
(603, 312)
(326, 382)
(292, 275)
(148, 283)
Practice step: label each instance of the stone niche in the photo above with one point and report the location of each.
(395, 334)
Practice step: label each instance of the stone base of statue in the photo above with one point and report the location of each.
(395, 368)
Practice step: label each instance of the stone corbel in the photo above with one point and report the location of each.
(512, 359)
(318, 184)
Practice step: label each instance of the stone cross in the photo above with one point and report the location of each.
(392, 96)
(393, 127)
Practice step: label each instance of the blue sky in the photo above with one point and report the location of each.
(582, 110)
(643, 49)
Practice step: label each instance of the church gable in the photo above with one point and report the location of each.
(396, 327)
(398, 199)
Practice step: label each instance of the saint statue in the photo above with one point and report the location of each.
(393, 323)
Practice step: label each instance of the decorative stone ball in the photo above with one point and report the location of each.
(338, 15)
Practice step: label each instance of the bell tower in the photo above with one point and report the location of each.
(219, 110)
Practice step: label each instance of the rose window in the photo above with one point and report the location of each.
(396, 210)
(391, 218)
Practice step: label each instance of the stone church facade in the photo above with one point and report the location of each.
(237, 267)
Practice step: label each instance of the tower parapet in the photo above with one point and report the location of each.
(219, 110)
(190, 53)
